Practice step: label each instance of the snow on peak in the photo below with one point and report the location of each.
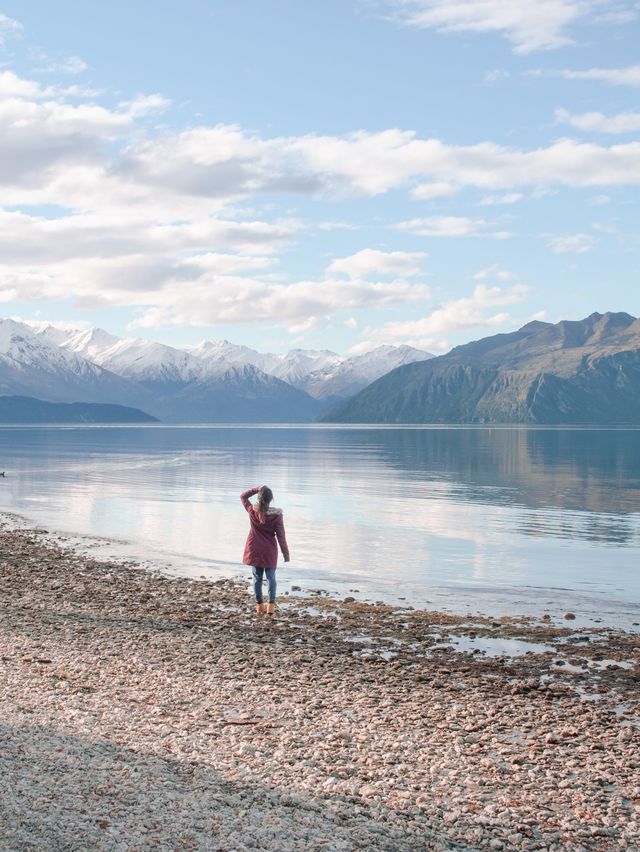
(9, 330)
(18, 340)
(29, 348)
(321, 373)
(216, 351)
(89, 343)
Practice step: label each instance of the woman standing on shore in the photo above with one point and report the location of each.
(261, 550)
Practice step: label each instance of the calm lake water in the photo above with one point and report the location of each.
(497, 520)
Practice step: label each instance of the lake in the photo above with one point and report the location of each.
(498, 520)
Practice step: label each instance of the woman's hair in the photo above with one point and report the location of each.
(265, 497)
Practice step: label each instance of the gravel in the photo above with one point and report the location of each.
(143, 712)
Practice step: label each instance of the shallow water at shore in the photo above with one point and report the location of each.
(490, 520)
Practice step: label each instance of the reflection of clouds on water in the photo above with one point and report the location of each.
(413, 506)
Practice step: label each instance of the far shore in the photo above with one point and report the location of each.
(144, 711)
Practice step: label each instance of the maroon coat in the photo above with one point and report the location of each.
(261, 549)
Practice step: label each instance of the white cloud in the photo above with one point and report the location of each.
(449, 226)
(166, 271)
(226, 161)
(371, 164)
(575, 243)
(494, 271)
(529, 26)
(475, 311)
(426, 191)
(299, 306)
(8, 26)
(623, 122)
(338, 226)
(605, 228)
(495, 75)
(142, 216)
(144, 104)
(40, 138)
(13, 86)
(505, 198)
(72, 65)
(216, 263)
(372, 262)
(629, 76)
(34, 239)
(58, 150)
(201, 290)
(74, 91)
(62, 65)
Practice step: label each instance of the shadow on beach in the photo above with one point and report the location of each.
(72, 792)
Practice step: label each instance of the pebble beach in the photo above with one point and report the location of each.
(140, 711)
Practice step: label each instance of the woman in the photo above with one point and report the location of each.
(261, 550)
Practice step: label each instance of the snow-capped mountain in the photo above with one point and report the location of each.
(350, 375)
(296, 365)
(322, 374)
(32, 365)
(90, 343)
(185, 387)
(158, 367)
(215, 381)
(222, 351)
(291, 367)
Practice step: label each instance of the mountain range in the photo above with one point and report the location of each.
(572, 372)
(211, 382)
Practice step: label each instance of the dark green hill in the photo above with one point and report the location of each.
(578, 372)
(26, 409)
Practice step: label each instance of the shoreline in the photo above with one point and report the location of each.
(461, 599)
(142, 710)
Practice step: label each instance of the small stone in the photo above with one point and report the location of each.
(451, 816)
(569, 616)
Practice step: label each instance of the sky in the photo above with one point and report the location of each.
(331, 175)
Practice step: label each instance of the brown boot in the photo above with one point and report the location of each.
(261, 609)
(270, 609)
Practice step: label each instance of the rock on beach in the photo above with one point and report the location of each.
(144, 712)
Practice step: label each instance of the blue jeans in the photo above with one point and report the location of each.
(271, 580)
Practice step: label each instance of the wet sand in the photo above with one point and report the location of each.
(139, 711)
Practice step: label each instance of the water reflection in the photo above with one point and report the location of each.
(524, 507)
